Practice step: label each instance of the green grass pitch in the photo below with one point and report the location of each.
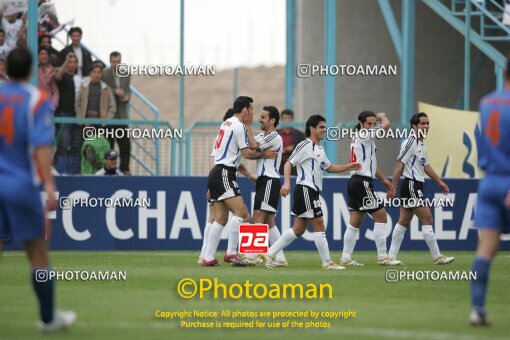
(125, 309)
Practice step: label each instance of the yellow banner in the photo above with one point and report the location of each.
(451, 142)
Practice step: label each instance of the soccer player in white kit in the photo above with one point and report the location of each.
(413, 161)
(362, 197)
(268, 183)
(311, 161)
(235, 139)
(241, 169)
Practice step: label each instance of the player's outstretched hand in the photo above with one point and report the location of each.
(285, 190)
(380, 115)
(270, 154)
(354, 166)
(444, 188)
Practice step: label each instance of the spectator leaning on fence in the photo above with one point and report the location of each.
(122, 93)
(92, 153)
(46, 75)
(95, 99)
(110, 165)
(45, 40)
(69, 136)
(82, 54)
(291, 137)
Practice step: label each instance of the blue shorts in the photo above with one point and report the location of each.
(22, 216)
(490, 212)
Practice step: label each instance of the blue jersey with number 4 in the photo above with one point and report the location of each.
(494, 141)
(25, 123)
(494, 158)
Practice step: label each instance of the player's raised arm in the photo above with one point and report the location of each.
(432, 174)
(336, 168)
(386, 182)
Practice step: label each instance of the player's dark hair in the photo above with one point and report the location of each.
(313, 121)
(362, 118)
(415, 119)
(114, 54)
(273, 114)
(19, 63)
(75, 29)
(2, 31)
(241, 102)
(287, 112)
(228, 114)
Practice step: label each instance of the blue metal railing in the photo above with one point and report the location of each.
(490, 13)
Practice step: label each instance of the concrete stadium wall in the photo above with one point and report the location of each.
(363, 38)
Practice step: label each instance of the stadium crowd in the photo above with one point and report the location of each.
(78, 87)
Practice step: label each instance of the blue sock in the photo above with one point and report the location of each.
(481, 266)
(43, 287)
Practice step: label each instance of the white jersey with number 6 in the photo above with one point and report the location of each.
(231, 139)
(363, 150)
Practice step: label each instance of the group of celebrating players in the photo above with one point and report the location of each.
(235, 140)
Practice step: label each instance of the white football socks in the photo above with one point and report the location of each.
(350, 236)
(430, 238)
(287, 238)
(322, 246)
(396, 240)
(213, 241)
(274, 235)
(204, 241)
(233, 235)
(380, 239)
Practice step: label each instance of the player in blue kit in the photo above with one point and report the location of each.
(26, 138)
(492, 215)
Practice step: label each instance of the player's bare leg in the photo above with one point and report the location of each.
(425, 216)
(488, 246)
(350, 237)
(207, 229)
(51, 321)
(404, 221)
